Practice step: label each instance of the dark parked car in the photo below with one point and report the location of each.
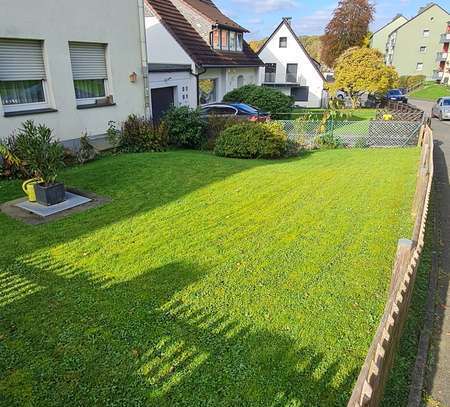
(238, 110)
(396, 95)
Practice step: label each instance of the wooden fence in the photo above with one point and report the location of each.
(400, 111)
(369, 388)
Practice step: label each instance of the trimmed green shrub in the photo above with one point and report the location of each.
(185, 127)
(139, 135)
(216, 124)
(252, 140)
(264, 98)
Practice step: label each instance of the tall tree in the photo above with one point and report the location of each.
(360, 70)
(347, 28)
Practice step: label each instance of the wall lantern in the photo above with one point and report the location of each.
(133, 77)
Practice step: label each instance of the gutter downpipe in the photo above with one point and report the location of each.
(144, 58)
(197, 77)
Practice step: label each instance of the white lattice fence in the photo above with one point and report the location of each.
(364, 133)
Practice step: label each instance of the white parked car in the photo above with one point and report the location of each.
(441, 109)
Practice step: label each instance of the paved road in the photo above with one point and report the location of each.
(438, 380)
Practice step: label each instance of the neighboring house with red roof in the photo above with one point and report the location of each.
(290, 69)
(203, 51)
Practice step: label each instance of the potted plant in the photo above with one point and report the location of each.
(44, 157)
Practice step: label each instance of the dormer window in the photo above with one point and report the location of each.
(226, 40)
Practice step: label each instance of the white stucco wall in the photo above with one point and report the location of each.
(162, 48)
(227, 78)
(179, 80)
(293, 54)
(113, 22)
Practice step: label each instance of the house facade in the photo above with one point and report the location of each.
(412, 47)
(196, 33)
(67, 68)
(380, 37)
(442, 72)
(290, 69)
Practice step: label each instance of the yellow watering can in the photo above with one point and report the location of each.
(28, 188)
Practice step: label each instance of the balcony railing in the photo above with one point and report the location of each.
(437, 75)
(269, 77)
(441, 56)
(445, 38)
(291, 78)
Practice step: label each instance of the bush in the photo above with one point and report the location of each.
(409, 81)
(328, 140)
(252, 140)
(34, 146)
(185, 127)
(87, 151)
(138, 135)
(10, 165)
(264, 98)
(215, 126)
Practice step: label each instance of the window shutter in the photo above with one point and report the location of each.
(88, 60)
(21, 60)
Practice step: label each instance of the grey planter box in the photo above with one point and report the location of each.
(50, 194)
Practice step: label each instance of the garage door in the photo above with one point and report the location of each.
(162, 101)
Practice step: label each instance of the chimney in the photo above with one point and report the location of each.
(288, 20)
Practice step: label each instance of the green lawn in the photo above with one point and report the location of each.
(431, 92)
(206, 281)
(352, 114)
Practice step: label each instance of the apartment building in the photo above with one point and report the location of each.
(412, 47)
(442, 72)
(379, 38)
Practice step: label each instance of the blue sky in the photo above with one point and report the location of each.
(309, 16)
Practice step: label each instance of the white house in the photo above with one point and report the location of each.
(73, 65)
(289, 67)
(195, 34)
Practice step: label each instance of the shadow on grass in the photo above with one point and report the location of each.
(77, 339)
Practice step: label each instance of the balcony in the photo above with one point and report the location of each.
(437, 75)
(291, 78)
(445, 38)
(269, 77)
(441, 56)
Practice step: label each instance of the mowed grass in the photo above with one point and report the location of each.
(431, 91)
(343, 114)
(206, 281)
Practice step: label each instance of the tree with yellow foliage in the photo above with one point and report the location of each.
(361, 70)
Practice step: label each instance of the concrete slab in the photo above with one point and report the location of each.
(10, 209)
(72, 200)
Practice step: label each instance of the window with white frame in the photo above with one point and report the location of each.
(226, 40)
(419, 66)
(90, 76)
(208, 90)
(426, 33)
(283, 42)
(22, 75)
(423, 49)
(291, 72)
(270, 72)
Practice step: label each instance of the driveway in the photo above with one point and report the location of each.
(438, 380)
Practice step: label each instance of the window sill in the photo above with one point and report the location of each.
(93, 106)
(29, 112)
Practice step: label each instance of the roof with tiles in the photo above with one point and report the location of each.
(198, 49)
